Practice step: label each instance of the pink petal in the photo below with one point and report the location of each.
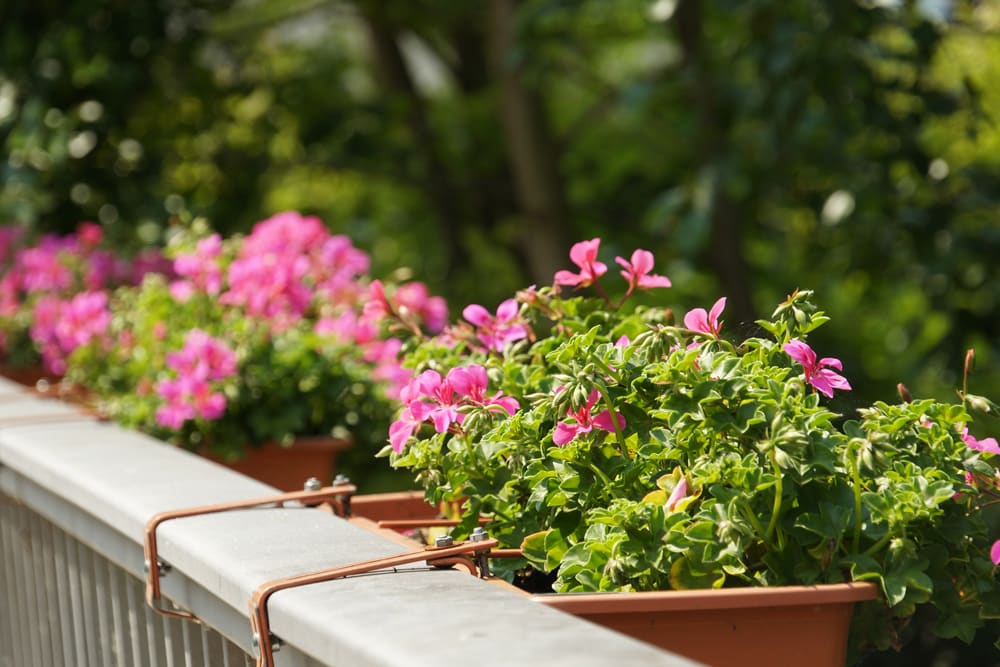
(697, 320)
(567, 278)
(507, 310)
(677, 494)
(717, 309)
(995, 553)
(801, 353)
(564, 433)
(642, 261)
(603, 421)
(651, 281)
(477, 315)
(831, 362)
(584, 252)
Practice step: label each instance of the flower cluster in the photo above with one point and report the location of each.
(198, 367)
(631, 453)
(429, 398)
(54, 292)
(264, 337)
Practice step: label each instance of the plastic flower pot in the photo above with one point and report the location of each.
(287, 468)
(750, 627)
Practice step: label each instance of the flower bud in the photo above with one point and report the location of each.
(970, 361)
(904, 393)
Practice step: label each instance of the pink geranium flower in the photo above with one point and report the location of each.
(706, 322)
(431, 398)
(818, 373)
(583, 421)
(584, 255)
(637, 271)
(988, 445)
(497, 332)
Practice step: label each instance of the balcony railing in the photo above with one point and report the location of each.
(76, 494)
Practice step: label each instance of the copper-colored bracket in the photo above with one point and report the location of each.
(411, 524)
(435, 556)
(334, 495)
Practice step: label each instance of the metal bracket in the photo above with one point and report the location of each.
(264, 641)
(332, 496)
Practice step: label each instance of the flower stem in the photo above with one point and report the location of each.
(600, 473)
(776, 510)
(614, 420)
(856, 488)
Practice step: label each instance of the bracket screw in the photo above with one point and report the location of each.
(444, 541)
(312, 484)
(479, 534)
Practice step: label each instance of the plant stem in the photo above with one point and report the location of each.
(749, 516)
(776, 510)
(614, 421)
(600, 473)
(878, 545)
(856, 488)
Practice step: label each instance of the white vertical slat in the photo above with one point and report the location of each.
(22, 624)
(72, 654)
(75, 601)
(102, 601)
(119, 625)
(154, 636)
(136, 606)
(171, 640)
(51, 584)
(88, 604)
(35, 582)
(25, 611)
(7, 632)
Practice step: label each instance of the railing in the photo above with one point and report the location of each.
(75, 495)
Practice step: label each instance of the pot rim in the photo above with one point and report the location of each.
(722, 598)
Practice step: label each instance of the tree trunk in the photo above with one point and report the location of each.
(725, 253)
(544, 239)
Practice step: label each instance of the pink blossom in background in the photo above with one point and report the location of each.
(706, 322)
(90, 234)
(415, 298)
(377, 306)
(637, 271)
(60, 326)
(41, 268)
(497, 332)
(584, 255)
(200, 268)
(10, 237)
(818, 373)
(10, 300)
(582, 421)
(988, 445)
(201, 361)
(995, 553)
(203, 357)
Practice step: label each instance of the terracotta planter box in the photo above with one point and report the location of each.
(287, 468)
(749, 627)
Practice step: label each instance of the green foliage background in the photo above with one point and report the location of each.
(756, 146)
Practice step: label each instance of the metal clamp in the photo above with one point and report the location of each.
(332, 496)
(265, 643)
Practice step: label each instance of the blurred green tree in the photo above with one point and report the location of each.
(756, 146)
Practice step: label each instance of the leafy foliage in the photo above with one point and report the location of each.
(725, 466)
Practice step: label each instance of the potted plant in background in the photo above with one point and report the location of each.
(261, 347)
(54, 295)
(625, 452)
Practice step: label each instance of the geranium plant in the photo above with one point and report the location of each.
(625, 451)
(54, 292)
(261, 338)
